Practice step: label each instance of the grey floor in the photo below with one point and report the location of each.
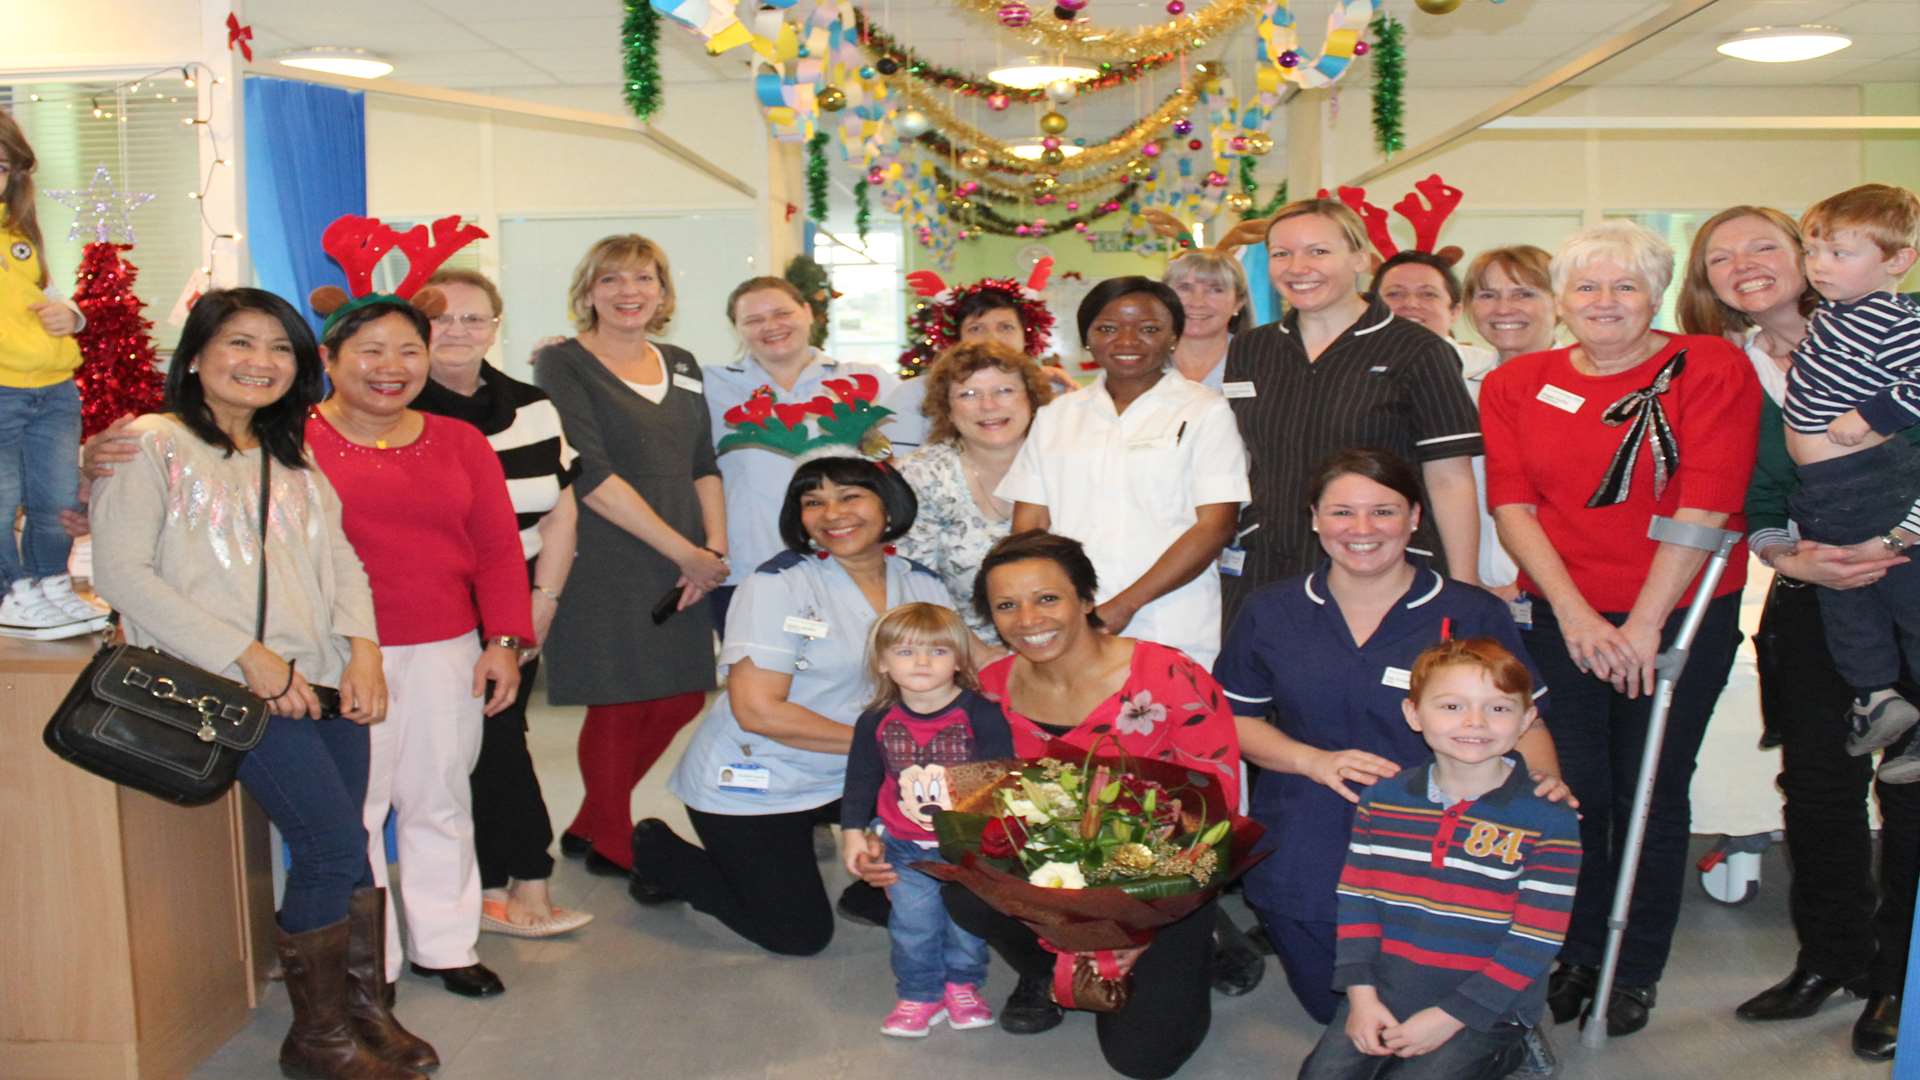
(668, 993)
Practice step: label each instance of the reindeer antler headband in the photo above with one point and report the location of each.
(934, 327)
(1442, 198)
(1251, 231)
(359, 243)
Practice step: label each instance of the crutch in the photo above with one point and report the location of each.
(1667, 668)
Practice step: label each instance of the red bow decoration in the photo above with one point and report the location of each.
(239, 35)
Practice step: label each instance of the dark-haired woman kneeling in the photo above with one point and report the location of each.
(770, 758)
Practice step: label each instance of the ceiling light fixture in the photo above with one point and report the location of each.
(335, 60)
(1784, 44)
(1031, 150)
(1034, 76)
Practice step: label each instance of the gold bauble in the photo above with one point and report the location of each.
(1259, 143)
(1436, 7)
(975, 160)
(1055, 156)
(1239, 202)
(1138, 168)
(1044, 184)
(832, 99)
(1053, 123)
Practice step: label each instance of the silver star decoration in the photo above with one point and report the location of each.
(102, 207)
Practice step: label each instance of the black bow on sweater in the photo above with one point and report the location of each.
(1643, 408)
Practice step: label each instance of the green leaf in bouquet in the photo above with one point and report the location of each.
(1159, 887)
(1110, 793)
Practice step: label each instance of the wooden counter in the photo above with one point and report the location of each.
(127, 946)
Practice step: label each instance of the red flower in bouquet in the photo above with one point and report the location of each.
(1000, 837)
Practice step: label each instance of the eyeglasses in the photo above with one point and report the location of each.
(475, 323)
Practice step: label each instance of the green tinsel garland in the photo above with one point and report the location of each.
(817, 177)
(1389, 84)
(1251, 186)
(816, 285)
(862, 213)
(640, 53)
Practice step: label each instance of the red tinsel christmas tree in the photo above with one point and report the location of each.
(117, 378)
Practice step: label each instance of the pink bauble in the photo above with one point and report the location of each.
(876, 178)
(1072, 205)
(1015, 15)
(1071, 5)
(1216, 179)
(1152, 149)
(998, 102)
(1079, 226)
(1021, 230)
(1050, 143)
(1360, 48)
(1175, 7)
(1111, 207)
(1039, 224)
(1239, 143)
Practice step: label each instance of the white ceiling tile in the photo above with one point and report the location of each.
(598, 32)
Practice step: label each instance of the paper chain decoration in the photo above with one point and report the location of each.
(844, 419)
(1426, 218)
(1279, 40)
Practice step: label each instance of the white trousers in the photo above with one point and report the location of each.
(421, 758)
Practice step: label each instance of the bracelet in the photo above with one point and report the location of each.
(291, 664)
(716, 554)
(551, 594)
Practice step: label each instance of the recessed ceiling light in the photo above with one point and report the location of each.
(1784, 44)
(1030, 150)
(358, 63)
(1037, 76)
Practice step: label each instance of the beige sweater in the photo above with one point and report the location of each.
(175, 539)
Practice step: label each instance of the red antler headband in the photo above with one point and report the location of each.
(933, 327)
(1427, 218)
(359, 243)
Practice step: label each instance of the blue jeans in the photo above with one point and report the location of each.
(1469, 1055)
(929, 951)
(311, 778)
(39, 470)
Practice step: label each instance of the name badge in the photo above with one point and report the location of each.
(1522, 611)
(1238, 390)
(689, 383)
(1397, 677)
(1564, 400)
(1232, 561)
(744, 778)
(807, 628)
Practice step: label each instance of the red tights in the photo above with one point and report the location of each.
(618, 744)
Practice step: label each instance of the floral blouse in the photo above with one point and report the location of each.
(1169, 709)
(950, 535)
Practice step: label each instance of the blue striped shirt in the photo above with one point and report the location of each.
(1863, 354)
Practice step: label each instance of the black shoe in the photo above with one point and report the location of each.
(1030, 1009)
(1539, 1061)
(474, 980)
(602, 866)
(573, 845)
(1569, 989)
(1257, 939)
(1237, 968)
(648, 894)
(1877, 1033)
(863, 904)
(1628, 1009)
(1795, 997)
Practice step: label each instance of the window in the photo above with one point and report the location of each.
(866, 321)
(143, 140)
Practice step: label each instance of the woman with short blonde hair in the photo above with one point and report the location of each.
(1213, 289)
(628, 250)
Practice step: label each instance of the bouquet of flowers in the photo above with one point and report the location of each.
(1095, 854)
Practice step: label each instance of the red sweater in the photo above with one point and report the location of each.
(1554, 456)
(433, 525)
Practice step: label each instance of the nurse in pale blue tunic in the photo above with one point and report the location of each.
(769, 759)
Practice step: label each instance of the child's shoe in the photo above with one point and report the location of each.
(965, 1009)
(911, 1019)
(58, 591)
(1879, 722)
(26, 613)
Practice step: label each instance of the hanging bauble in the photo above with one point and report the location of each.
(1015, 15)
(1138, 168)
(886, 65)
(1053, 123)
(1040, 225)
(971, 187)
(1175, 7)
(1239, 202)
(866, 72)
(1065, 14)
(1194, 144)
(1072, 5)
(1080, 226)
(832, 99)
(876, 177)
(1360, 48)
(1259, 143)
(1238, 144)
(912, 124)
(1021, 230)
(1289, 59)
(1436, 7)
(1072, 206)
(1054, 157)
(998, 102)
(974, 160)
(1182, 126)
(1050, 143)
(1062, 90)
(1044, 183)
(1151, 149)
(1216, 178)
(1045, 200)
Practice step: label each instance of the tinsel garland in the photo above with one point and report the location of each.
(1084, 38)
(1016, 185)
(879, 44)
(1251, 186)
(640, 54)
(987, 219)
(116, 377)
(1098, 151)
(817, 177)
(992, 190)
(1389, 84)
(862, 213)
(817, 286)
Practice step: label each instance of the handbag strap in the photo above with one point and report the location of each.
(266, 470)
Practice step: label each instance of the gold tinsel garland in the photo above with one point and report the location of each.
(1178, 34)
(1121, 147)
(1107, 181)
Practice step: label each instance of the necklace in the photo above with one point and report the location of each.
(991, 507)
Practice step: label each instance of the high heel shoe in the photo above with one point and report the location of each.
(1569, 989)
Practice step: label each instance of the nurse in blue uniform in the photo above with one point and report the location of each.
(770, 758)
(1316, 667)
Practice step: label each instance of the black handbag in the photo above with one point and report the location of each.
(158, 724)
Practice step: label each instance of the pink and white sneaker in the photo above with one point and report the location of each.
(911, 1019)
(965, 1009)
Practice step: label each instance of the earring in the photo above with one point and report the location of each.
(193, 367)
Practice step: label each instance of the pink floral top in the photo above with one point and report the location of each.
(1169, 709)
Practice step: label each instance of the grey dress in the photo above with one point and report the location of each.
(604, 648)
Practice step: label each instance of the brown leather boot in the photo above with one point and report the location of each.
(321, 1044)
(368, 1002)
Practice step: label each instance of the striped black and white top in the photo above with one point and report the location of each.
(523, 428)
(1863, 354)
(1386, 383)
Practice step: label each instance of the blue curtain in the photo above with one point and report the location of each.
(306, 165)
(1266, 306)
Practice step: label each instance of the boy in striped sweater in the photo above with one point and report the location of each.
(1457, 890)
(1854, 384)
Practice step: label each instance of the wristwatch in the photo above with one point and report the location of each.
(508, 641)
(1895, 545)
